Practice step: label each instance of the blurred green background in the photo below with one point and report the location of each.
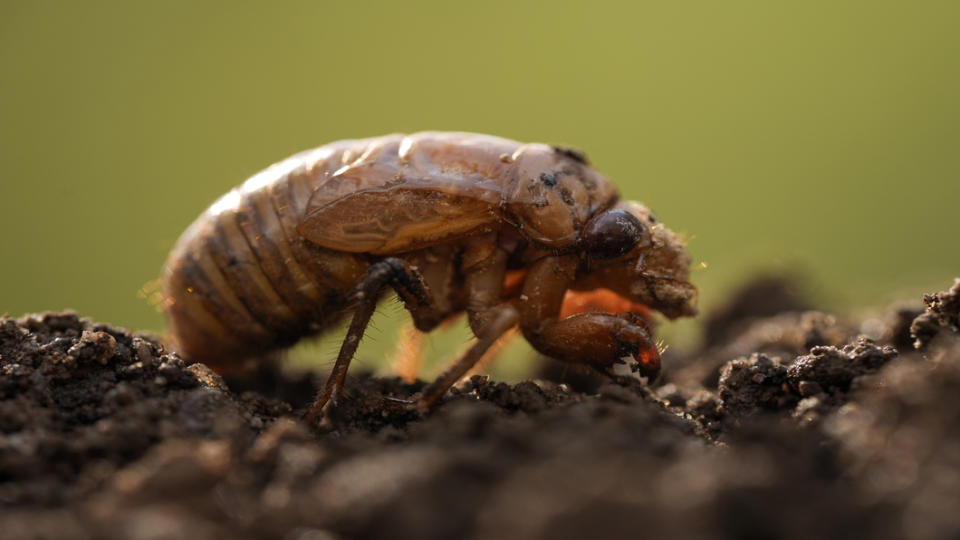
(820, 137)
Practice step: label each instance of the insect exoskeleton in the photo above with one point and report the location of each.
(443, 219)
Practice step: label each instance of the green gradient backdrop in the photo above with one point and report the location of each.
(817, 135)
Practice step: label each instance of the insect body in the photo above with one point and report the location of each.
(443, 219)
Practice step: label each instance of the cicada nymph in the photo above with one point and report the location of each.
(443, 219)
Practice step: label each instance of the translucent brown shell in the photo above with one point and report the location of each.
(408, 193)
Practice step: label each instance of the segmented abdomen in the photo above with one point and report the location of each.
(241, 280)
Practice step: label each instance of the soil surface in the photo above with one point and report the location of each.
(788, 423)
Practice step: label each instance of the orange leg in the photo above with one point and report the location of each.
(602, 301)
(407, 358)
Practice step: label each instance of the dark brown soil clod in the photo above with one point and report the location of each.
(787, 424)
(942, 312)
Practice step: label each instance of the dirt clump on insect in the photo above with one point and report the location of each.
(787, 422)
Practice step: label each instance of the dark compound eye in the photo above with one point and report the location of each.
(611, 234)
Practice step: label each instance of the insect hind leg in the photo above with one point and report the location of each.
(388, 272)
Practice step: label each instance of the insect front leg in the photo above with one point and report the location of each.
(388, 272)
(603, 341)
